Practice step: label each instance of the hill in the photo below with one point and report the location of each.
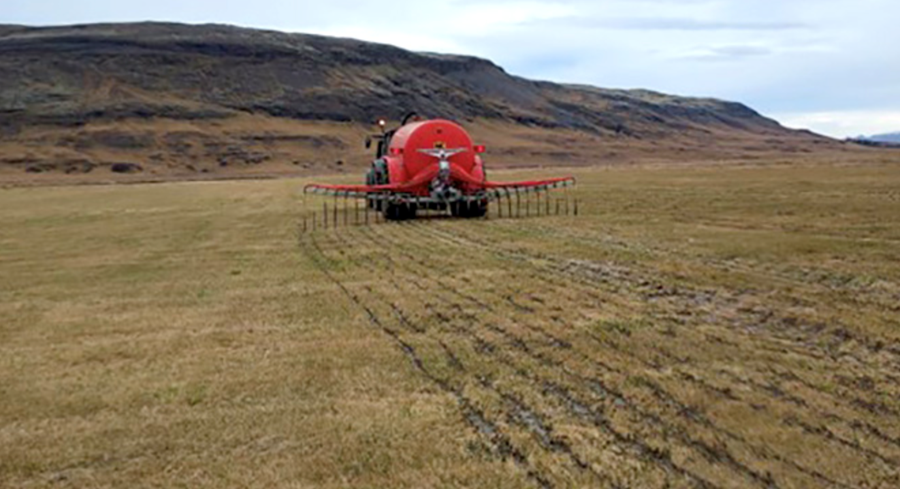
(175, 100)
(892, 138)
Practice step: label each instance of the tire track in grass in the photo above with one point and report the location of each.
(499, 441)
(783, 276)
(854, 425)
(524, 415)
(530, 416)
(706, 451)
(768, 454)
(873, 407)
(790, 420)
(484, 345)
(871, 348)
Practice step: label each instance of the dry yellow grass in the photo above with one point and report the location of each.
(718, 327)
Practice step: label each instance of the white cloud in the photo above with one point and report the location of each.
(442, 25)
(485, 17)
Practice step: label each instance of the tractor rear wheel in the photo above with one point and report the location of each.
(377, 175)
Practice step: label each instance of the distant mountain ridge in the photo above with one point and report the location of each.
(891, 137)
(169, 98)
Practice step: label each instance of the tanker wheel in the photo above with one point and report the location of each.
(399, 212)
(478, 209)
(468, 209)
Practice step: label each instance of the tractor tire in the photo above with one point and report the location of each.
(478, 209)
(399, 212)
(377, 175)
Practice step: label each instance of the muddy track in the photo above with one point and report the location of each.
(595, 242)
(657, 391)
(808, 279)
(499, 442)
(838, 333)
(517, 410)
(592, 274)
(614, 279)
(519, 344)
(532, 419)
(873, 407)
(517, 378)
(851, 424)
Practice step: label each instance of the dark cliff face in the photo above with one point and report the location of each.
(70, 75)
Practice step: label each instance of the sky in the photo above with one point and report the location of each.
(828, 65)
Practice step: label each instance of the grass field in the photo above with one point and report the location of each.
(693, 327)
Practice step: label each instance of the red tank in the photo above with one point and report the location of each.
(433, 134)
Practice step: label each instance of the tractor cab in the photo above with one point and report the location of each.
(383, 140)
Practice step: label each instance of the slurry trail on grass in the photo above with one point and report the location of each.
(603, 373)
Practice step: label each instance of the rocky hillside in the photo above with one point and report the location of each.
(173, 99)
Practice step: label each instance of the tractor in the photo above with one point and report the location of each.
(429, 165)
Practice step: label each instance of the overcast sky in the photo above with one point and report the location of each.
(829, 65)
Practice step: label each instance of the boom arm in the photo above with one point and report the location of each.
(425, 177)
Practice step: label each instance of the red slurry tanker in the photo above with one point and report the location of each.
(430, 164)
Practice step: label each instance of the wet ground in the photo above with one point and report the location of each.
(604, 373)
